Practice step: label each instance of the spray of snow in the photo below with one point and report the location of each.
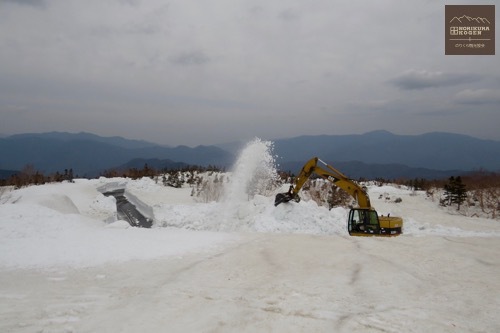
(254, 172)
(253, 175)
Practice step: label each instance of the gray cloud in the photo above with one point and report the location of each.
(34, 3)
(422, 79)
(478, 96)
(191, 58)
(289, 15)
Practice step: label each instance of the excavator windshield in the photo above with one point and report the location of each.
(363, 220)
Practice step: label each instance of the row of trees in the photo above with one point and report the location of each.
(170, 177)
(147, 171)
(30, 176)
(479, 189)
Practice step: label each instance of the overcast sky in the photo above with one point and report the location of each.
(210, 71)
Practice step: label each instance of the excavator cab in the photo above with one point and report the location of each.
(363, 221)
(366, 222)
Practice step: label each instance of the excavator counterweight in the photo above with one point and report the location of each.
(362, 221)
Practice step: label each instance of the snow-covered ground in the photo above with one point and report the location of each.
(67, 265)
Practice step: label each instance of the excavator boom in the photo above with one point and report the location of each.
(328, 172)
(363, 220)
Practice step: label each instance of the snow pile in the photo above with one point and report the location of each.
(73, 224)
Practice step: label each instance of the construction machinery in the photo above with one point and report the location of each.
(363, 220)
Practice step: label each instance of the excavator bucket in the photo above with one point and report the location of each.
(282, 197)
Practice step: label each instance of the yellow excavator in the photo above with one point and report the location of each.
(362, 221)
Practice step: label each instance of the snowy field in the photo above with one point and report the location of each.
(239, 265)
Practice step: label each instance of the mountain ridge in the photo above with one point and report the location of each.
(435, 150)
(91, 154)
(373, 154)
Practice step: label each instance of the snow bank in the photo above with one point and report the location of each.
(74, 224)
(257, 215)
(33, 236)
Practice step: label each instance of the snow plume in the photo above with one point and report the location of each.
(253, 173)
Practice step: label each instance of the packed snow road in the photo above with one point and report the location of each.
(271, 283)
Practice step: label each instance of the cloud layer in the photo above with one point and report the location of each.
(201, 72)
(421, 79)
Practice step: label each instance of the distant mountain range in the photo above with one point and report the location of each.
(439, 151)
(371, 155)
(89, 154)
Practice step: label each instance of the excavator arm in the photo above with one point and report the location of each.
(330, 173)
